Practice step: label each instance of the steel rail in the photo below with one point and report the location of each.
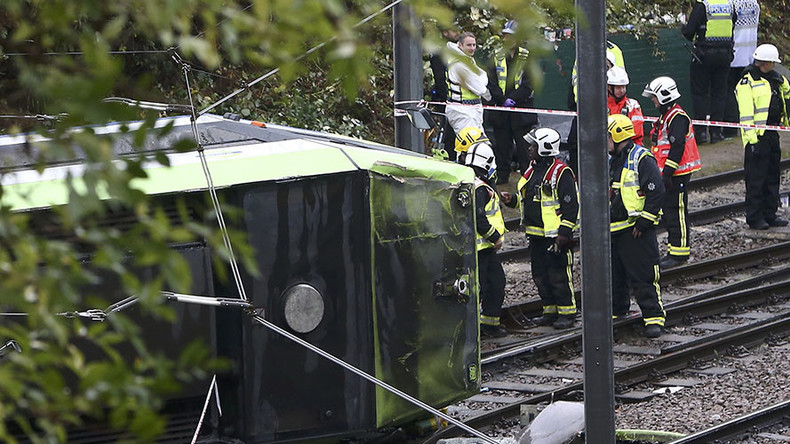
(515, 316)
(698, 217)
(518, 347)
(664, 364)
(548, 348)
(737, 426)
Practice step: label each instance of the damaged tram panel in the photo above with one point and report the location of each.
(365, 251)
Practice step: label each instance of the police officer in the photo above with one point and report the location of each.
(744, 36)
(763, 96)
(710, 26)
(636, 195)
(548, 199)
(618, 103)
(675, 150)
(510, 87)
(490, 234)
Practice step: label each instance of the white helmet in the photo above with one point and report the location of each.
(664, 88)
(482, 156)
(767, 53)
(547, 140)
(616, 76)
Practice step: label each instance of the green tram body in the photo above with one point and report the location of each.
(360, 248)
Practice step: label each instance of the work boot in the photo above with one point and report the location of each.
(653, 331)
(670, 261)
(778, 222)
(492, 331)
(546, 319)
(564, 321)
(759, 225)
(701, 135)
(716, 135)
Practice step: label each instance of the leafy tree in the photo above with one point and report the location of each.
(62, 58)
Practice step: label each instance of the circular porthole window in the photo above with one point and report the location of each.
(303, 308)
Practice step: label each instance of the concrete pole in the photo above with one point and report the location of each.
(407, 67)
(595, 240)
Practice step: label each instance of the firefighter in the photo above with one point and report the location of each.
(614, 57)
(636, 194)
(618, 103)
(710, 26)
(675, 150)
(762, 96)
(466, 84)
(490, 234)
(548, 199)
(510, 87)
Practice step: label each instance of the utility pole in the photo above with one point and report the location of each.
(595, 240)
(407, 67)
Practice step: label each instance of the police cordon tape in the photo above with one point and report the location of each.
(424, 103)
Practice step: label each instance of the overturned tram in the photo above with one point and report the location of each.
(363, 250)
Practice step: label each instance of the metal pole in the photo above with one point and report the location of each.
(595, 240)
(407, 67)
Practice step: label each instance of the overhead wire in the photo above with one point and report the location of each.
(255, 314)
(210, 183)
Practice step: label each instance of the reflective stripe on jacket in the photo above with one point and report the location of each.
(631, 109)
(501, 68)
(690, 161)
(754, 99)
(719, 25)
(493, 214)
(550, 211)
(630, 191)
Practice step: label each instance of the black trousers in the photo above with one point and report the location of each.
(761, 167)
(553, 275)
(492, 285)
(675, 217)
(509, 145)
(635, 270)
(709, 82)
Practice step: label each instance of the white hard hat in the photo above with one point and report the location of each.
(767, 53)
(547, 140)
(482, 156)
(616, 76)
(664, 88)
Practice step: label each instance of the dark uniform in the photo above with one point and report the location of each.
(508, 80)
(549, 203)
(490, 227)
(710, 26)
(762, 99)
(636, 196)
(676, 153)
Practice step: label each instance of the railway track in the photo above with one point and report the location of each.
(698, 217)
(724, 321)
(517, 315)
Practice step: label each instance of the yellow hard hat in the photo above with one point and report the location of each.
(620, 127)
(468, 137)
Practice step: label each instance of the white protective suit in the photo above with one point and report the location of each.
(462, 69)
